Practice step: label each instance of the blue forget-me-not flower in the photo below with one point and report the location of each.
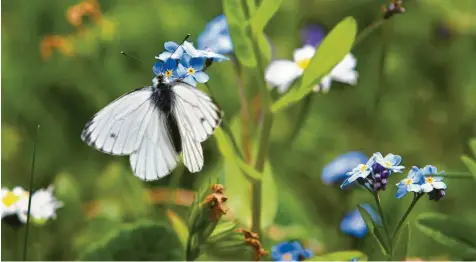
(167, 68)
(216, 36)
(433, 183)
(410, 184)
(336, 171)
(190, 69)
(361, 171)
(353, 223)
(290, 251)
(175, 51)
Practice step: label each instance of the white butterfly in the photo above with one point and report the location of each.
(153, 125)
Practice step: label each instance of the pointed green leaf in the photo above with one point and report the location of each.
(263, 15)
(238, 26)
(341, 256)
(458, 236)
(401, 243)
(264, 47)
(335, 46)
(179, 225)
(374, 229)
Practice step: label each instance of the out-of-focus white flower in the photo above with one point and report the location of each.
(43, 206)
(11, 199)
(282, 73)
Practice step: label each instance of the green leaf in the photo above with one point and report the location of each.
(264, 47)
(458, 236)
(335, 46)
(226, 149)
(238, 188)
(226, 244)
(238, 27)
(374, 229)
(97, 228)
(265, 12)
(401, 244)
(341, 256)
(472, 145)
(470, 164)
(141, 241)
(179, 225)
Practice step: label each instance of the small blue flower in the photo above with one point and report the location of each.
(390, 162)
(312, 35)
(336, 171)
(432, 184)
(216, 36)
(354, 259)
(410, 184)
(353, 223)
(167, 68)
(290, 251)
(172, 51)
(190, 69)
(361, 171)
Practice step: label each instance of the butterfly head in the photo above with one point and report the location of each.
(160, 79)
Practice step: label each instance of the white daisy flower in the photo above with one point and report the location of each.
(282, 73)
(43, 206)
(11, 199)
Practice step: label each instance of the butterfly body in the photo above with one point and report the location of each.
(153, 125)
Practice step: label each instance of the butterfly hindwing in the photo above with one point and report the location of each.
(157, 155)
(118, 128)
(197, 117)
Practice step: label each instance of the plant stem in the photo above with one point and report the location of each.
(384, 222)
(32, 172)
(244, 113)
(367, 31)
(402, 220)
(267, 121)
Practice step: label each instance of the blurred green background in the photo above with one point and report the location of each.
(423, 109)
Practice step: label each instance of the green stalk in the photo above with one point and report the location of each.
(267, 120)
(384, 221)
(402, 220)
(32, 173)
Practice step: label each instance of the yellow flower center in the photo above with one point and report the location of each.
(363, 168)
(190, 71)
(168, 73)
(387, 163)
(287, 257)
(9, 199)
(429, 179)
(408, 181)
(303, 63)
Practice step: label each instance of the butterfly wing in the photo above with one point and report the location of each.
(118, 128)
(157, 155)
(197, 117)
(133, 125)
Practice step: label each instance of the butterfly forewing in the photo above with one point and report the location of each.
(118, 127)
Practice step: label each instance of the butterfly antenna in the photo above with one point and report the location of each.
(183, 41)
(133, 57)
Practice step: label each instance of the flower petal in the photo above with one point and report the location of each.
(170, 46)
(427, 187)
(197, 63)
(429, 170)
(439, 185)
(282, 73)
(401, 192)
(414, 188)
(190, 49)
(170, 64)
(303, 53)
(157, 68)
(181, 71)
(164, 55)
(325, 84)
(353, 224)
(312, 35)
(393, 159)
(190, 80)
(347, 77)
(201, 77)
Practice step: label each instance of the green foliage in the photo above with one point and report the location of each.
(340, 256)
(330, 52)
(401, 244)
(142, 241)
(180, 227)
(457, 235)
(375, 230)
(265, 12)
(238, 26)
